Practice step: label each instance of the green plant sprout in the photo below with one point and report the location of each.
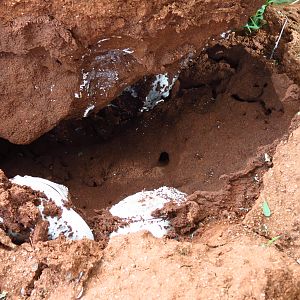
(271, 241)
(257, 21)
(266, 209)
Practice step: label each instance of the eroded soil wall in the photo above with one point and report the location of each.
(59, 57)
(228, 111)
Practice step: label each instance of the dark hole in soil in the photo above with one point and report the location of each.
(164, 159)
(209, 133)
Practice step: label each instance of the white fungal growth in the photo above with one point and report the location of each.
(128, 51)
(85, 82)
(161, 88)
(225, 35)
(77, 95)
(138, 209)
(88, 110)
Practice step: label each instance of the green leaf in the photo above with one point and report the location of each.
(266, 209)
(280, 1)
(256, 22)
(273, 240)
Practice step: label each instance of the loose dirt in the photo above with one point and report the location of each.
(230, 263)
(21, 216)
(228, 136)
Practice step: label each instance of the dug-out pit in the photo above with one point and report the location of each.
(226, 112)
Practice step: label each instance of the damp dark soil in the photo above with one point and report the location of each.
(225, 111)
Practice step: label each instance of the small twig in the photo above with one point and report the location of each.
(79, 295)
(79, 276)
(279, 38)
(294, 2)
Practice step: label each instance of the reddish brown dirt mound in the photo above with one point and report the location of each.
(282, 193)
(36, 270)
(49, 49)
(228, 263)
(22, 219)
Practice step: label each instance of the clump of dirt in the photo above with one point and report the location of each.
(229, 262)
(103, 223)
(233, 202)
(291, 58)
(34, 271)
(21, 218)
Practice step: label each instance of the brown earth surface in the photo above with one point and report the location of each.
(216, 133)
(49, 48)
(229, 136)
(21, 216)
(282, 193)
(227, 263)
(228, 260)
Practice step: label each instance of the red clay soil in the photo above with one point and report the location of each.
(282, 193)
(227, 260)
(21, 216)
(219, 124)
(227, 263)
(232, 133)
(46, 47)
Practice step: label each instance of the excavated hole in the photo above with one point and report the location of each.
(225, 114)
(164, 159)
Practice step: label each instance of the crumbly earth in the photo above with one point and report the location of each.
(59, 57)
(36, 271)
(228, 259)
(228, 112)
(282, 192)
(21, 218)
(228, 263)
(222, 246)
(291, 58)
